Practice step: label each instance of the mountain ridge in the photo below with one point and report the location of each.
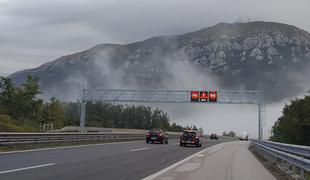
(234, 54)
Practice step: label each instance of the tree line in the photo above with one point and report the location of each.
(293, 126)
(230, 134)
(22, 107)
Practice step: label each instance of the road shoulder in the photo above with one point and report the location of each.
(225, 161)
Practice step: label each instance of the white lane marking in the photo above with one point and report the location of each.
(174, 144)
(26, 168)
(155, 175)
(66, 147)
(140, 149)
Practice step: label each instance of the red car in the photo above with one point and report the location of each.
(156, 135)
(190, 137)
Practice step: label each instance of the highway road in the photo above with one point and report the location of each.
(131, 160)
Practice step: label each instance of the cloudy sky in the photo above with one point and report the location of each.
(33, 32)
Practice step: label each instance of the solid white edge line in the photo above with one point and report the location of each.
(155, 175)
(26, 168)
(66, 147)
(140, 149)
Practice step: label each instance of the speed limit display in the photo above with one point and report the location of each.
(213, 96)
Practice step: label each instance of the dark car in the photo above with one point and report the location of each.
(190, 137)
(156, 135)
(214, 136)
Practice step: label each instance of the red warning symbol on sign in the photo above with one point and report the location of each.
(203, 96)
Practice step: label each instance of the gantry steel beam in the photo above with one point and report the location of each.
(172, 96)
(169, 96)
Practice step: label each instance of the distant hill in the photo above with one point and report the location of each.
(266, 56)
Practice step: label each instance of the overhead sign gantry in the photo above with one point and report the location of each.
(177, 96)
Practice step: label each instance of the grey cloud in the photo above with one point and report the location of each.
(128, 21)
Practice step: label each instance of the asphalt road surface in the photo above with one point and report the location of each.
(133, 160)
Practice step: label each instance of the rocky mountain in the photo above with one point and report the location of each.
(266, 56)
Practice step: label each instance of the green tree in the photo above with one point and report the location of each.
(294, 125)
(72, 116)
(54, 113)
(7, 92)
(156, 119)
(117, 113)
(231, 134)
(29, 104)
(21, 103)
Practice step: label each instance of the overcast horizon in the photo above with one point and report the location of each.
(35, 32)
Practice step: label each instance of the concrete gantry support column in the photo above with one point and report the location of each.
(258, 121)
(82, 116)
(261, 116)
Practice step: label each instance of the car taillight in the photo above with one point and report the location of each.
(160, 134)
(148, 134)
(197, 137)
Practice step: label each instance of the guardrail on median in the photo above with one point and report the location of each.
(7, 139)
(32, 138)
(286, 156)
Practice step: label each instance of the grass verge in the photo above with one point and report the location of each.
(4, 127)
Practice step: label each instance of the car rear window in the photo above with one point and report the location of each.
(189, 134)
(155, 131)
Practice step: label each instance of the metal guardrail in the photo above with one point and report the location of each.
(298, 150)
(33, 138)
(295, 155)
(7, 138)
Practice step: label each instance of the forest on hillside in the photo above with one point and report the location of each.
(22, 110)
